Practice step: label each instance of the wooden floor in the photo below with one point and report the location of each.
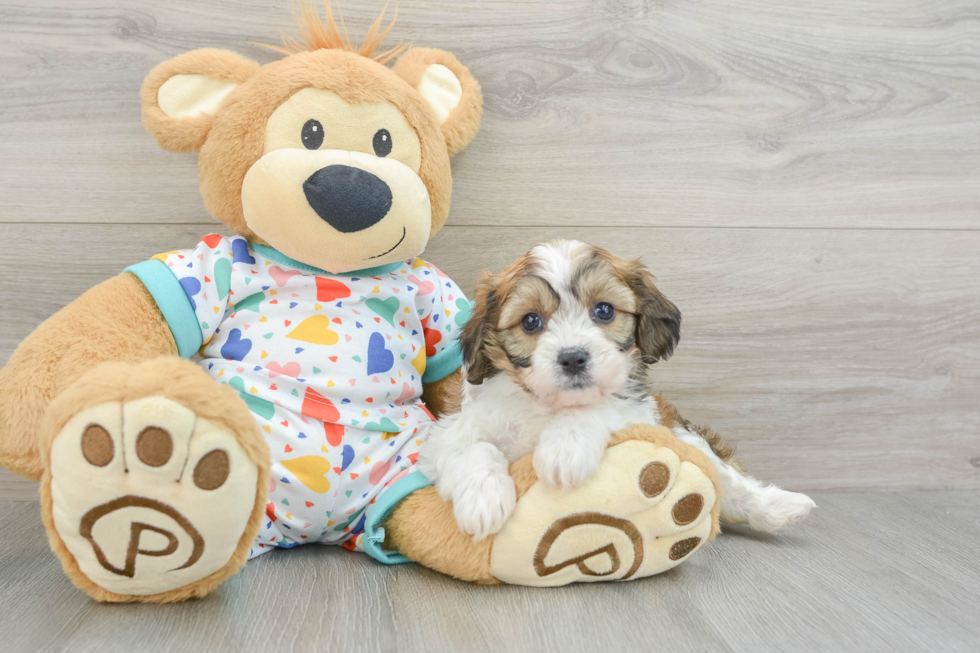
(868, 572)
(802, 177)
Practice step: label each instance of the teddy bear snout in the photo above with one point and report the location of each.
(349, 199)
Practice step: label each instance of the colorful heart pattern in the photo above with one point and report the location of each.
(280, 276)
(191, 287)
(311, 471)
(379, 359)
(289, 369)
(236, 347)
(222, 277)
(317, 406)
(328, 290)
(386, 308)
(330, 367)
(315, 330)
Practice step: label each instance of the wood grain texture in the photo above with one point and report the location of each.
(803, 179)
(836, 358)
(819, 113)
(867, 572)
(16, 488)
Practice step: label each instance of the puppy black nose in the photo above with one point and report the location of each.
(573, 361)
(347, 198)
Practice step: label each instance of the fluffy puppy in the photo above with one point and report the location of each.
(556, 359)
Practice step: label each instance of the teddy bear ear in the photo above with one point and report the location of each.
(449, 88)
(181, 96)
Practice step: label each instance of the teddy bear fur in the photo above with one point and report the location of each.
(77, 354)
(180, 381)
(446, 548)
(113, 343)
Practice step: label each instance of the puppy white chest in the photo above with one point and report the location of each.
(514, 420)
(516, 440)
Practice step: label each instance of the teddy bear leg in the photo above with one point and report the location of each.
(155, 479)
(652, 503)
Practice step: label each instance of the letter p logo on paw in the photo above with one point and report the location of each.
(644, 511)
(148, 497)
(118, 509)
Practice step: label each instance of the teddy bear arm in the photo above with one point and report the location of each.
(116, 320)
(443, 397)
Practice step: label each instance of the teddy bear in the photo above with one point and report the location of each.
(326, 347)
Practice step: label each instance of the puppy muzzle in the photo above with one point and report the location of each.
(574, 366)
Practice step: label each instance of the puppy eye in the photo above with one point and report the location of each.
(312, 134)
(604, 312)
(531, 323)
(382, 142)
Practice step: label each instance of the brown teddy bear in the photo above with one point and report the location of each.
(327, 349)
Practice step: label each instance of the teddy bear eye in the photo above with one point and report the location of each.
(382, 142)
(312, 134)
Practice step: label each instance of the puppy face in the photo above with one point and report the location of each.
(570, 323)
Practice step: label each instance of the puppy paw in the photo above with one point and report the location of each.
(482, 504)
(565, 462)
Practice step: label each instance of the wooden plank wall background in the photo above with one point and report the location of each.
(803, 178)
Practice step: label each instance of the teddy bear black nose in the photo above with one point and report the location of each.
(347, 198)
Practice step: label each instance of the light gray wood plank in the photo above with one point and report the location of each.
(837, 359)
(867, 572)
(828, 113)
(16, 488)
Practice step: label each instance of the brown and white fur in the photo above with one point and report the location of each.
(556, 357)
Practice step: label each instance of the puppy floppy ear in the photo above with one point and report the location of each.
(449, 89)
(181, 96)
(658, 321)
(477, 330)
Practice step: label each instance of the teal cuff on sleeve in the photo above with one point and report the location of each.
(443, 363)
(173, 303)
(374, 533)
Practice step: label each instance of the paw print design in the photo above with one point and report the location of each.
(644, 511)
(147, 496)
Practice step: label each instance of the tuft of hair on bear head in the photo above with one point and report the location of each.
(323, 33)
(246, 122)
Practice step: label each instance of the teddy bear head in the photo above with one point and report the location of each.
(328, 155)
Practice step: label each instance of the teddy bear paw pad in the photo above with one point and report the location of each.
(148, 497)
(644, 512)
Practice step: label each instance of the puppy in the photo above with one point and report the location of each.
(556, 358)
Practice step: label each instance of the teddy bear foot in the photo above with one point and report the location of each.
(647, 509)
(652, 503)
(144, 497)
